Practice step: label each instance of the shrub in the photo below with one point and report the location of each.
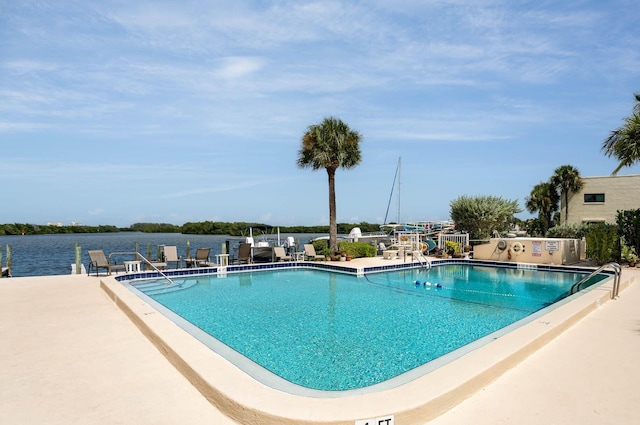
(628, 222)
(569, 231)
(481, 215)
(357, 249)
(453, 248)
(322, 247)
(603, 243)
(629, 254)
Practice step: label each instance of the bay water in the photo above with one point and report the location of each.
(44, 255)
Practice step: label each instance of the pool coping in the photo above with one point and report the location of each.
(246, 400)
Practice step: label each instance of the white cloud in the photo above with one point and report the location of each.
(238, 67)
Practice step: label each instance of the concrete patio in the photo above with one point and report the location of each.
(69, 355)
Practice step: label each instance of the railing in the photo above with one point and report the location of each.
(460, 238)
(144, 260)
(424, 261)
(616, 279)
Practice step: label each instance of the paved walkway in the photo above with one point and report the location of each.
(588, 375)
(68, 355)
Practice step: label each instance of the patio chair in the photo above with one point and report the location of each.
(201, 259)
(170, 255)
(99, 261)
(310, 253)
(280, 255)
(244, 254)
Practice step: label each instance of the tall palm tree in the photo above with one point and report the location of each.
(543, 200)
(330, 145)
(624, 143)
(567, 180)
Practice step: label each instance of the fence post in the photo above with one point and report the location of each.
(148, 266)
(188, 250)
(78, 256)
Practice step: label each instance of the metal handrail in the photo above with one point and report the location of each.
(616, 280)
(424, 262)
(138, 255)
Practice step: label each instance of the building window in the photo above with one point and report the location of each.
(594, 197)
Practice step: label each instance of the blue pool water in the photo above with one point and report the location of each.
(333, 331)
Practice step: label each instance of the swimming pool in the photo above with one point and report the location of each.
(335, 332)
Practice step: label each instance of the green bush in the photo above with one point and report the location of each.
(322, 247)
(351, 249)
(357, 249)
(569, 231)
(603, 243)
(628, 222)
(453, 248)
(481, 215)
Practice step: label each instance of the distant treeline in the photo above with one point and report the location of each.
(197, 228)
(41, 229)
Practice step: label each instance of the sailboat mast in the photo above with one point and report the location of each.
(399, 174)
(395, 177)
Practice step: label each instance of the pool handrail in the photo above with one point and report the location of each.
(142, 257)
(616, 280)
(420, 258)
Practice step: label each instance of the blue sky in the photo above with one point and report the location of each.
(117, 112)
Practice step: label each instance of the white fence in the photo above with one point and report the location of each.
(461, 238)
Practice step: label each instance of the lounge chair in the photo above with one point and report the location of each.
(310, 253)
(170, 255)
(280, 255)
(99, 261)
(201, 259)
(244, 254)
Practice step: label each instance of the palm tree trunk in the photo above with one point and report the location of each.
(333, 225)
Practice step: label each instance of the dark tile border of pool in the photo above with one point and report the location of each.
(343, 269)
(426, 396)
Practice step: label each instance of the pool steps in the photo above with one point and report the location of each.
(161, 287)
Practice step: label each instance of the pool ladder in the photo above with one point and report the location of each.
(149, 263)
(616, 279)
(424, 262)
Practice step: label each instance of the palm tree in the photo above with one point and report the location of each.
(330, 145)
(543, 200)
(624, 143)
(566, 179)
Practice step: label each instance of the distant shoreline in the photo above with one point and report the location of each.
(191, 228)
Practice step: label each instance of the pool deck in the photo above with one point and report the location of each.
(70, 355)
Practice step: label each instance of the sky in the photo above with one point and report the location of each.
(118, 112)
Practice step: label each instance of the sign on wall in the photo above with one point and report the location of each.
(536, 248)
(551, 246)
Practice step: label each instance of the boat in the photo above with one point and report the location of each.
(372, 238)
(262, 245)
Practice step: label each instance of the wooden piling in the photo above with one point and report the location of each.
(78, 259)
(6, 271)
(9, 260)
